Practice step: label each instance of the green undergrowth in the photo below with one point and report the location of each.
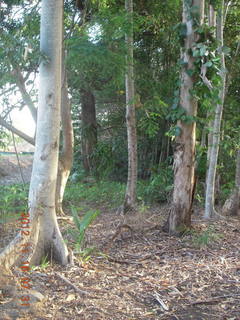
(107, 193)
(13, 201)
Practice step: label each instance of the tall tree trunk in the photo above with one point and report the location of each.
(44, 235)
(89, 129)
(212, 23)
(184, 155)
(45, 165)
(231, 206)
(214, 148)
(130, 196)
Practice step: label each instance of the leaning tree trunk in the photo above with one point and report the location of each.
(212, 164)
(66, 154)
(184, 155)
(130, 196)
(89, 129)
(231, 206)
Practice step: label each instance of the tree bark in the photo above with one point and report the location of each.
(66, 155)
(214, 148)
(184, 155)
(231, 206)
(89, 129)
(44, 235)
(130, 195)
(45, 165)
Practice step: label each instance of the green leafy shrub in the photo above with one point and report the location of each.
(160, 186)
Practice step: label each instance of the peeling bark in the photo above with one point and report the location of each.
(66, 156)
(184, 155)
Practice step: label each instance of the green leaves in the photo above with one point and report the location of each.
(82, 224)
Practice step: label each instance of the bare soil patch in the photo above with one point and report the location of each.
(10, 171)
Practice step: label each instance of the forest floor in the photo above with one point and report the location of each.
(139, 272)
(132, 270)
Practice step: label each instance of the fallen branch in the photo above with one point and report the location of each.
(82, 292)
(110, 259)
(214, 299)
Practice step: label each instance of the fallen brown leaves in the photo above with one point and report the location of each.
(145, 274)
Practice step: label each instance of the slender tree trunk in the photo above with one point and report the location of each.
(130, 196)
(184, 154)
(211, 173)
(66, 156)
(212, 23)
(231, 206)
(89, 129)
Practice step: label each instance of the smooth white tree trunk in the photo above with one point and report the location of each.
(214, 148)
(44, 235)
(130, 196)
(45, 165)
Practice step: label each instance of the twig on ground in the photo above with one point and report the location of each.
(160, 301)
(82, 292)
(215, 299)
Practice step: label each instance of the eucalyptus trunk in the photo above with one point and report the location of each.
(130, 195)
(214, 148)
(212, 23)
(89, 129)
(184, 154)
(231, 206)
(66, 155)
(44, 237)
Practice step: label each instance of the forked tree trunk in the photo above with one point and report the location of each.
(214, 148)
(89, 129)
(130, 196)
(184, 155)
(231, 206)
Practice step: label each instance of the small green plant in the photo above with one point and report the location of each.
(81, 227)
(44, 264)
(205, 238)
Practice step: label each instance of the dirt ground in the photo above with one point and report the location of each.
(13, 172)
(132, 272)
(139, 272)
